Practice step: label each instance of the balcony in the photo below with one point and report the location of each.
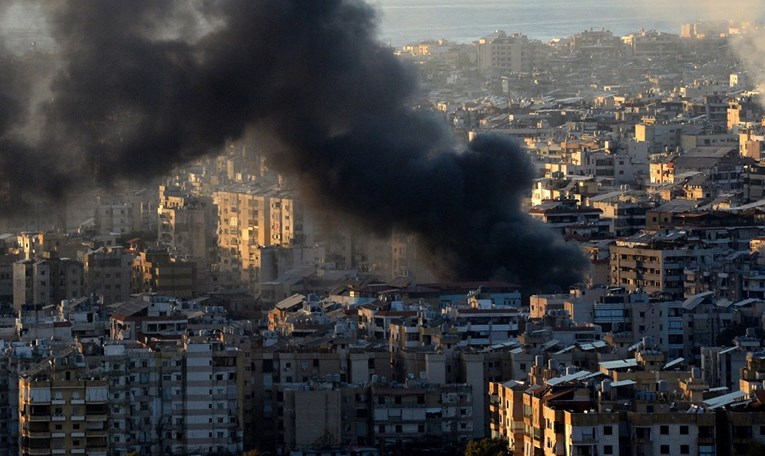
(96, 444)
(583, 439)
(36, 451)
(36, 427)
(37, 410)
(35, 434)
(99, 431)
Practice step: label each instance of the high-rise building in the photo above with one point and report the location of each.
(114, 218)
(46, 281)
(251, 217)
(62, 410)
(187, 223)
(107, 273)
(157, 272)
(505, 53)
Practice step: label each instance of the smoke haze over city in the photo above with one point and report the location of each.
(140, 87)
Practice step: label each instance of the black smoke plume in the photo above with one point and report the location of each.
(144, 85)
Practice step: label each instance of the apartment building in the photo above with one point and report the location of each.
(108, 273)
(46, 281)
(654, 263)
(583, 413)
(652, 44)
(568, 217)
(390, 416)
(505, 53)
(416, 410)
(156, 271)
(114, 218)
(319, 359)
(62, 409)
(187, 223)
(251, 217)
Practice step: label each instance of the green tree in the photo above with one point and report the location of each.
(486, 447)
(325, 441)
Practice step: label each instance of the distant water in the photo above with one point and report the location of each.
(463, 21)
(22, 25)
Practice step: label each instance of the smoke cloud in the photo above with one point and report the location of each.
(143, 86)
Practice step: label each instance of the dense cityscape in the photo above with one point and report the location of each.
(588, 282)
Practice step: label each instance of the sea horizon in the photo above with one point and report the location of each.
(463, 21)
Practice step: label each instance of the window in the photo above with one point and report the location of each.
(607, 430)
(685, 449)
(664, 449)
(664, 430)
(684, 430)
(608, 449)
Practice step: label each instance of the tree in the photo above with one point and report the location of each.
(325, 441)
(486, 447)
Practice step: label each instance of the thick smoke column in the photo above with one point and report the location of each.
(146, 85)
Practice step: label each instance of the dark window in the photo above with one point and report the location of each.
(684, 430)
(664, 430)
(608, 449)
(685, 449)
(607, 430)
(664, 449)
